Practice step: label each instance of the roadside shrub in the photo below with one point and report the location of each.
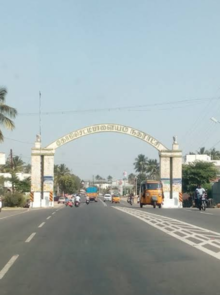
(13, 200)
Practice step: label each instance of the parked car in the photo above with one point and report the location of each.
(107, 197)
(61, 200)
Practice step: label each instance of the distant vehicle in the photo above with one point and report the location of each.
(107, 197)
(92, 193)
(116, 198)
(61, 200)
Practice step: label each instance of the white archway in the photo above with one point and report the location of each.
(107, 128)
(42, 172)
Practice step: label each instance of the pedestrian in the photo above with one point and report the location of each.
(0, 204)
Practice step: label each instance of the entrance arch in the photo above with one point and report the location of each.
(99, 128)
(42, 172)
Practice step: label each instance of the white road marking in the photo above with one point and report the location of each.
(14, 215)
(104, 204)
(206, 213)
(203, 239)
(30, 238)
(48, 217)
(8, 266)
(191, 210)
(53, 212)
(42, 224)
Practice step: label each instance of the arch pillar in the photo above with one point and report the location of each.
(42, 175)
(171, 176)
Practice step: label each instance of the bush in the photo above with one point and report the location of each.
(13, 200)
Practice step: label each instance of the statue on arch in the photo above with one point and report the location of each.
(175, 140)
(38, 138)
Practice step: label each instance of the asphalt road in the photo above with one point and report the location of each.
(103, 249)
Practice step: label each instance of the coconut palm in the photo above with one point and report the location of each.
(6, 112)
(15, 164)
(215, 155)
(153, 169)
(131, 178)
(202, 151)
(109, 178)
(27, 168)
(60, 171)
(140, 164)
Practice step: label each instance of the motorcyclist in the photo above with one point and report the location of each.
(199, 192)
(77, 198)
(131, 196)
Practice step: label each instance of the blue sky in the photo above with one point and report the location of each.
(102, 54)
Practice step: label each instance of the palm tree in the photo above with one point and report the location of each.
(202, 151)
(131, 178)
(109, 178)
(16, 165)
(153, 169)
(140, 164)
(60, 171)
(27, 168)
(6, 112)
(215, 155)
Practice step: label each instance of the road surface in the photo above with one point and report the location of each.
(102, 248)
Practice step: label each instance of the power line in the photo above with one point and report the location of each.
(18, 140)
(128, 108)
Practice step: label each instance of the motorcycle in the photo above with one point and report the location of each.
(203, 203)
(130, 201)
(76, 203)
(87, 202)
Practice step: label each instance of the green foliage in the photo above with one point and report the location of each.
(198, 173)
(17, 165)
(140, 164)
(69, 184)
(153, 169)
(109, 178)
(23, 186)
(6, 113)
(13, 200)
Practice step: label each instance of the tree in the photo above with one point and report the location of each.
(69, 184)
(202, 151)
(153, 169)
(23, 186)
(27, 168)
(16, 165)
(6, 113)
(59, 171)
(215, 155)
(109, 178)
(141, 177)
(131, 178)
(140, 164)
(198, 173)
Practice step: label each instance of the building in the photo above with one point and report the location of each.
(21, 176)
(204, 158)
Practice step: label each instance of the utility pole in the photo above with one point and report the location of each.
(41, 156)
(12, 168)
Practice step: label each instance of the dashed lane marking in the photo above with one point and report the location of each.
(30, 238)
(54, 213)
(41, 225)
(103, 203)
(200, 238)
(8, 266)
(48, 217)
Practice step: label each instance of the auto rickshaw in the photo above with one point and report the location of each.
(115, 198)
(151, 193)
